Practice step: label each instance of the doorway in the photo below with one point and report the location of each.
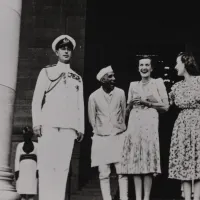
(117, 40)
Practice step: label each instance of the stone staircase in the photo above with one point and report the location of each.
(92, 191)
(161, 190)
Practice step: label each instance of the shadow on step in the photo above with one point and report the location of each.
(162, 188)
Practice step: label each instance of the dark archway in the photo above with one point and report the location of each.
(115, 36)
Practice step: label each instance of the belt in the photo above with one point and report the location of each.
(28, 156)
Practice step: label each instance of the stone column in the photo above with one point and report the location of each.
(10, 15)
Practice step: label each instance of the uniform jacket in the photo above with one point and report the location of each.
(64, 105)
(21, 155)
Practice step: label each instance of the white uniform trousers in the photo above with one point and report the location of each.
(104, 173)
(54, 156)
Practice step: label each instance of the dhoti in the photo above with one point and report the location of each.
(106, 149)
(54, 156)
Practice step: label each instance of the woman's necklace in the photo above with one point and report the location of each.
(145, 82)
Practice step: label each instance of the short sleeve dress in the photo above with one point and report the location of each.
(26, 164)
(184, 159)
(141, 152)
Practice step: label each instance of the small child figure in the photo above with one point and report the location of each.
(26, 172)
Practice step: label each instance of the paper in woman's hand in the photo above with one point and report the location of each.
(152, 99)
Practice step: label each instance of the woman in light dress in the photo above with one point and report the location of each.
(26, 173)
(184, 160)
(141, 152)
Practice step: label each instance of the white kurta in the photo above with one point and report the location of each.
(107, 117)
(27, 181)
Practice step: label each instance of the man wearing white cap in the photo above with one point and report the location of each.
(106, 109)
(58, 119)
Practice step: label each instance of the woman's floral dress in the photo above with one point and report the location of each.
(141, 151)
(184, 160)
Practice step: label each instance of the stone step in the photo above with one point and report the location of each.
(86, 198)
(92, 191)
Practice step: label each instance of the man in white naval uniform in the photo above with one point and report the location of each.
(58, 119)
(106, 109)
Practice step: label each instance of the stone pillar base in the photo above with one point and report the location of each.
(9, 195)
(7, 189)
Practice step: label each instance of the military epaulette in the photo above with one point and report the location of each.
(50, 66)
(74, 76)
(48, 75)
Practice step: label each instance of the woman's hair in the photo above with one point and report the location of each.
(145, 57)
(190, 63)
(27, 129)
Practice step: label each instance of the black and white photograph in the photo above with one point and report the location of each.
(99, 100)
